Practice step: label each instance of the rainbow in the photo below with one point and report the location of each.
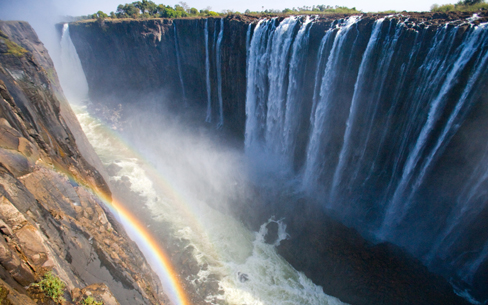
(153, 251)
(156, 253)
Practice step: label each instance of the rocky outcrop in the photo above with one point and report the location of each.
(51, 216)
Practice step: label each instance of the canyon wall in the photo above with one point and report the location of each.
(51, 216)
(381, 120)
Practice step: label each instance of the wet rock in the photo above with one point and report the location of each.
(10, 296)
(100, 292)
(9, 137)
(32, 245)
(10, 215)
(113, 169)
(5, 229)
(243, 277)
(23, 275)
(52, 222)
(272, 235)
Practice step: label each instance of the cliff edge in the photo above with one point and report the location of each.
(52, 218)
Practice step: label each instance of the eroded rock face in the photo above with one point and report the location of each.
(51, 218)
(99, 292)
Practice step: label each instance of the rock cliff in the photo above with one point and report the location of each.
(52, 219)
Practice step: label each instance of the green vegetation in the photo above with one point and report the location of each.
(310, 10)
(461, 6)
(90, 301)
(12, 47)
(52, 286)
(3, 294)
(146, 9)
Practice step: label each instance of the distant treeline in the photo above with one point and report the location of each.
(461, 6)
(148, 9)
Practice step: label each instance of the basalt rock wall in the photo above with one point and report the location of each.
(52, 218)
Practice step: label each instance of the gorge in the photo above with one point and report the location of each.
(376, 119)
(276, 159)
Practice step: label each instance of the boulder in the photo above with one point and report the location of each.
(100, 292)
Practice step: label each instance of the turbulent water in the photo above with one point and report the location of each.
(381, 119)
(184, 176)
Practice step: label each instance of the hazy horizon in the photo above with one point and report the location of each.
(17, 9)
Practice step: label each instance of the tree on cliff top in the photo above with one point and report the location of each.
(461, 6)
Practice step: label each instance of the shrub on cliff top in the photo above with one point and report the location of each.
(461, 6)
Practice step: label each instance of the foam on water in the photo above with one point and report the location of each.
(220, 243)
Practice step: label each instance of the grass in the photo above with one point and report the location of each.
(3, 294)
(90, 301)
(12, 47)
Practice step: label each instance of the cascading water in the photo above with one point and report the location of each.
(398, 206)
(218, 46)
(208, 118)
(217, 50)
(178, 62)
(76, 85)
(319, 148)
(383, 115)
(178, 185)
(275, 57)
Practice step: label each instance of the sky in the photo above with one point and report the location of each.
(85, 7)
(43, 14)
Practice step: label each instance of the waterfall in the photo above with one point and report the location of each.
(399, 206)
(219, 73)
(388, 101)
(256, 89)
(71, 73)
(318, 148)
(293, 95)
(359, 88)
(274, 111)
(217, 48)
(208, 119)
(278, 68)
(178, 62)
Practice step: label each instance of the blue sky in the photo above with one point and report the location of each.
(84, 7)
(43, 14)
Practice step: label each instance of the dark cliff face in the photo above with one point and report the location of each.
(124, 58)
(51, 219)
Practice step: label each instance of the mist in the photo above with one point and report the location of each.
(221, 205)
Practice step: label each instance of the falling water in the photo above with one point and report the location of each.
(399, 206)
(219, 73)
(208, 119)
(371, 153)
(178, 62)
(318, 148)
(76, 86)
(279, 63)
(256, 91)
(293, 95)
(359, 87)
(278, 67)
